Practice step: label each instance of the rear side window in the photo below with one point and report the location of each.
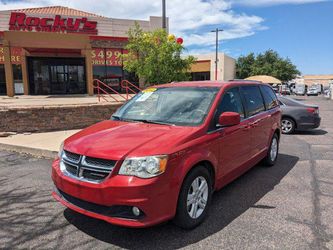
(231, 102)
(253, 99)
(269, 97)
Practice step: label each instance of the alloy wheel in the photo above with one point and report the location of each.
(197, 197)
(287, 126)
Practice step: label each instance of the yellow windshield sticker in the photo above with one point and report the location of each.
(149, 90)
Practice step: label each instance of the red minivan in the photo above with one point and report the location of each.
(164, 152)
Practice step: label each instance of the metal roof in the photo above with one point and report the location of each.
(57, 10)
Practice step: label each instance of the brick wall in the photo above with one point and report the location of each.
(42, 119)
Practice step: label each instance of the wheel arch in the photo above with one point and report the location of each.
(278, 133)
(209, 166)
(205, 159)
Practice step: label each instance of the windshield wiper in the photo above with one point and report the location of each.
(155, 122)
(118, 118)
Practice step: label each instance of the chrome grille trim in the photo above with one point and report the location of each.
(98, 173)
(96, 169)
(86, 164)
(72, 157)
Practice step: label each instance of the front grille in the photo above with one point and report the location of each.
(72, 156)
(71, 168)
(86, 168)
(94, 175)
(100, 162)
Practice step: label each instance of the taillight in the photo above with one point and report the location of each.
(313, 110)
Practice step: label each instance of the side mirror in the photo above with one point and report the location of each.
(227, 119)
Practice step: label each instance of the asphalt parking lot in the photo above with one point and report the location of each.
(289, 206)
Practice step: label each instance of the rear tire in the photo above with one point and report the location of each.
(273, 152)
(194, 198)
(288, 125)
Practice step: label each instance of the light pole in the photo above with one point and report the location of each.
(163, 15)
(217, 30)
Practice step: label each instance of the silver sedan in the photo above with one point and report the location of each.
(297, 115)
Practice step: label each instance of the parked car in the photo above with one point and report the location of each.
(300, 89)
(313, 90)
(284, 90)
(275, 87)
(320, 88)
(297, 115)
(327, 93)
(163, 153)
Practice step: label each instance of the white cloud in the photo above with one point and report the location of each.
(272, 2)
(191, 19)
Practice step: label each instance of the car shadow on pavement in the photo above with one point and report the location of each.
(311, 132)
(228, 204)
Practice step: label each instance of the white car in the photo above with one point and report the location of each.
(300, 89)
(312, 91)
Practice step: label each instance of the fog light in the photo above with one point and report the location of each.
(136, 211)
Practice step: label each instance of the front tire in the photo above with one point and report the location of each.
(194, 198)
(272, 152)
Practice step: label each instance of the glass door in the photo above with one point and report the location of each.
(59, 76)
(2, 80)
(76, 79)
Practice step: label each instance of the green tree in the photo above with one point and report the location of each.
(154, 58)
(267, 63)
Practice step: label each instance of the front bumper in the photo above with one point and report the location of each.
(155, 197)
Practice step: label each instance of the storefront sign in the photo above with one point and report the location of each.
(15, 55)
(20, 22)
(108, 57)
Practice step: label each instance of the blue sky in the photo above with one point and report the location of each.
(299, 29)
(304, 33)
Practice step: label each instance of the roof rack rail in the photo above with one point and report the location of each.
(243, 80)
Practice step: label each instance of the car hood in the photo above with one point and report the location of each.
(116, 140)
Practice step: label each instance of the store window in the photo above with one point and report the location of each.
(18, 80)
(110, 75)
(108, 68)
(200, 76)
(2, 80)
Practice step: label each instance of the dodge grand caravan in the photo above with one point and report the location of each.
(164, 152)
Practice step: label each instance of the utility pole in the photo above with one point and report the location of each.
(217, 30)
(163, 15)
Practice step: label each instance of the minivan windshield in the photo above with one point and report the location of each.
(183, 106)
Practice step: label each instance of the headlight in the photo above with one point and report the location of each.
(61, 149)
(144, 167)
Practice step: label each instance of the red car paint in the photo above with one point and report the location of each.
(231, 151)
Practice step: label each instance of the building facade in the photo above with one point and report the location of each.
(204, 67)
(325, 80)
(59, 50)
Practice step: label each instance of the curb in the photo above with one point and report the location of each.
(31, 151)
